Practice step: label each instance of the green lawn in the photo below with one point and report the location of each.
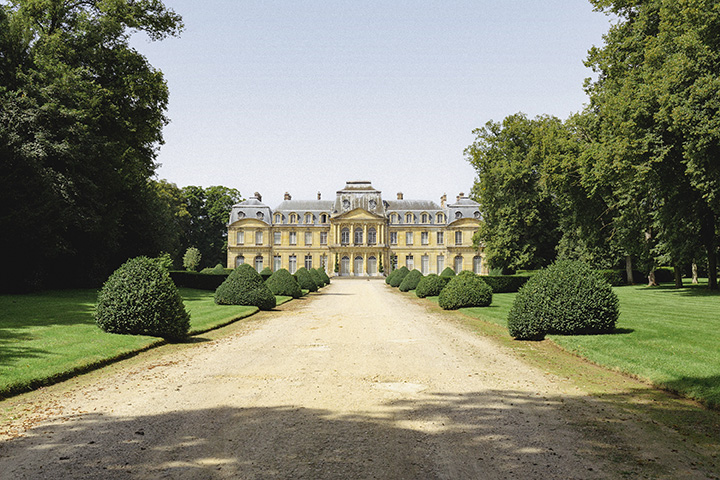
(48, 336)
(668, 336)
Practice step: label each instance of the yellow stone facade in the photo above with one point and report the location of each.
(357, 233)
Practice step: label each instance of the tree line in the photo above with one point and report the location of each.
(81, 118)
(633, 180)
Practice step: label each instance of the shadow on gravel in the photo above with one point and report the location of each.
(489, 435)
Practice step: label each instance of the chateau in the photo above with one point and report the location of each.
(359, 233)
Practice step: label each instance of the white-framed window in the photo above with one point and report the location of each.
(309, 219)
(240, 238)
(372, 236)
(277, 263)
(424, 218)
(323, 238)
(394, 218)
(425, 264)
(258, 237)
(308, 238)
(408, 238)
(409, 262)
(458, 263)
(477, 264)
(323, 218)
(239, 260)
(293, 238)
(292, 263)
(393, 238)
(293, 218)
(424, 238)
(345, 236)
(440, 218)
(440, 239)
(440, 264)
(259, 263)
(409, 218)
(278, 218)
(358, 236)
(277, 238)
(458, 237)
(308, 262)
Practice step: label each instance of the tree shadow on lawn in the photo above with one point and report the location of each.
(489, 434)
(686, 290)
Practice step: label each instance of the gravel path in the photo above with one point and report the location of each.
(354, 382)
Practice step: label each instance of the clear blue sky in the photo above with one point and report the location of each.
(300, 96)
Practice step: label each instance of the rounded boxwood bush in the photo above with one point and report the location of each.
(324, 275)
(448, 273)
(397, 279)
(317, 278)
(465, 290)
(140, 298)
(567, 298)
(410, 281)
(305, 280)
(388, 279)
(244, 286)
(281, 282)
(431, 285)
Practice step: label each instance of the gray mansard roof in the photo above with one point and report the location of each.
(463, 208)
(301, 207)
(251, 208)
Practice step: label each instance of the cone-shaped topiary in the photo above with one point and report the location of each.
(316, 278)
(568, 298)
(324, 276)
(390, 276)
(244, 286)
(410, 281)
(281, 282)
(431, 285)
(399, 277)
(305, 280)
(447, 273)
(465, 290)
(265, 273)
(139, 298)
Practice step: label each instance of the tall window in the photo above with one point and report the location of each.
(323, 238)
(393, 238)
(425, 264)
(477, 264)
(293, 238)
(440, 218)
(308, 262)
(424, 238)
(409, 218)
(458, 238)
(259, 263)
(458, 263)
(424, 218)
(409, 262)
(408, 238)
(323, 218)
(240, 239)
(258, 237)
(308, 238)
(440, 239)
(277, 263)
(278, 218)
(358, 236)
(345, 236)
(239, 260)
(292, 263)
(372, 236)
(440, 264)
(293, 218)
(277, 238)
(394, 218)
(309, 219)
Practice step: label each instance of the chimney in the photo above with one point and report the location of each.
(400, 196)
(461, 195)
(443, 200)
(287, 196)
(258, 196)
(319, 196)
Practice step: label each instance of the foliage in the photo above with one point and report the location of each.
(165, 261)
(381, 269)
(324, 276)
(266, 273)
(139, 298)
(568, 298)
(430, 285)
(447, 273)
(613, 277)
(198, 280)
(505, 283)
(410, 281)
(281, 282)
(398, 277)
(317, 278)
(191, 259)
(465, 290)
(305, 280)
(244, 286)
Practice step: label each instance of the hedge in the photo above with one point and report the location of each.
(431, 285)
(201, 281)
(505, 283)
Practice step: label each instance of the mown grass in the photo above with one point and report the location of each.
(668, 336)
(49, 336)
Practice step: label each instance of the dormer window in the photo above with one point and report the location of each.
(323, 218)
(278, 218)
(440, 218)
(293, 218)
(394, 218)
(309, 219)
(458, 215)
(260, 215)
(424, 218)
(409, 218)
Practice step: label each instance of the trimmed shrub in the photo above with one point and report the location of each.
(410, 281)
(191, 259)
(244, 286)
(431, 285)
(465, 290)
(139, 298)
(388, 279)
(201, 281)
(567, 298)
(448, 273)
(613, 277)
(305, 280)
(281, 282)
(324, 276)
(316, 278)
(399, 277)
(505, 283)
(265, 273)
(216, 270)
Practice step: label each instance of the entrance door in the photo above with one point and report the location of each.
(345, 266)
(372, 266)
(358, 265)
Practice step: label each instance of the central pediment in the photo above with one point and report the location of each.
(358, 214)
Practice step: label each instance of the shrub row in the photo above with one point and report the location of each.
(201, 281)
(505, 283)
(466, 289)
(245, 286)
(431, 285)
(281, 282)
(410, 281)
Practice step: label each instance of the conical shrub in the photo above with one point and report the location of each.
(465, 290)
(431, 285)
(316, 278)
(281, 282)
(305, 280)
(398, 277)
(410, 281)
(244, 286)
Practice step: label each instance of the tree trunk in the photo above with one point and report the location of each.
(628, 270)
(651, 278)
(694, 273)
(678, 276)
(712, 267)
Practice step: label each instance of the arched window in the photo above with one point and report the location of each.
(241, 215)
(323, 218)
(309, 219)
(477, 215)
(358, 267)
(239, 260)
(458, 263)
(440, 218)
(358, 236)
(293, 218)
(458, 215)
(259, 263)
(278, 218)
(345, 236)
(372, 265)
(372, 236)
(409, 218)
(424, 218)
(260, 215)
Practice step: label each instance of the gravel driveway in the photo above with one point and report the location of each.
(356, 381)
